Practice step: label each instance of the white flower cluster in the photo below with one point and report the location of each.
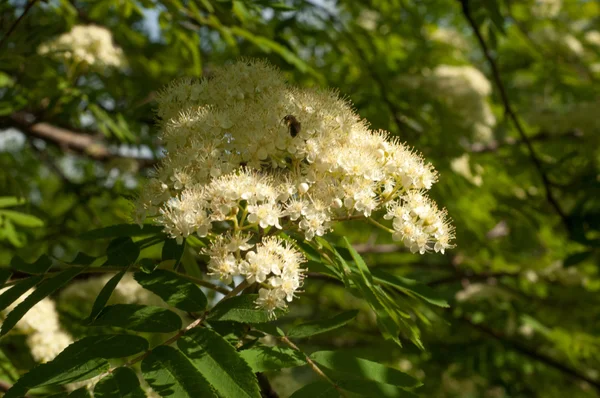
(85, 44)
(248, 152)
(45, 337)
(465, 90)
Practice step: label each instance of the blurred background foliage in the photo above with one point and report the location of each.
(501, 96)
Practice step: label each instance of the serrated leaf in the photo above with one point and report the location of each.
(313, 328)
(105, 294)
(239, 309)
(80, 361)
(173, 289)
(46, 288)
(140, 318)
(121, 383)
(170, 374)
(320, 389)
(121, 231)
(264, 358)
(22, 219)
(11, 295)
(121, 252)
(354, 367)
(410, 286)
(40, 266)
(172, 251)
(219, 363)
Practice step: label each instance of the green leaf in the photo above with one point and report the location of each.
(105, 294)
(121, 383)
(262, 358)
(340, 361)
(173, 251)
(317, 327)
(40, 266)
(219, 363)
(22, 219)
(121, 252)
(80, 361)
(320, 389)
(171, 374)
(360, 263)
(11, 295)
(121, 231)
(82, 259)
(411, 287)
(173, 289)
(46, 288)
(10, 201)
(140, 318)
(239, 309)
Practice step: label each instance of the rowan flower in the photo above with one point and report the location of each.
(232, 170)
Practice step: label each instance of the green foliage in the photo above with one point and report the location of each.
(122, 382)
(81, 360)
(173, 289)
(513, 306)
(171, 374)
(263, 358)
(317, 327)
(140, 318)
(219, 363)
(45, 288)
(239, 309)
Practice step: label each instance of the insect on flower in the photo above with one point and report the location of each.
(293, 124)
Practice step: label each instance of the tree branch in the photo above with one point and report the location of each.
(512, 115)
(84, 144)
(516, 346)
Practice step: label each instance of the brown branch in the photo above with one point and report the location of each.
(513, 116)
(537, 356)
(28, 7)
(84, 144)
(509, 142)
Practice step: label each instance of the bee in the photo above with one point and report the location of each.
(293, 124)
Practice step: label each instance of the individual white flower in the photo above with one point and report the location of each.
(270, 300)
(265, 214)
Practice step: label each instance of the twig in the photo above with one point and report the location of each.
(312, 364)
(17, 21)
(511, 113)
(236, 290)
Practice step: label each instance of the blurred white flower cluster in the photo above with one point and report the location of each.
(252, 155)
(543, 9)
(45, 337)
(85, 44)
(465, 90)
